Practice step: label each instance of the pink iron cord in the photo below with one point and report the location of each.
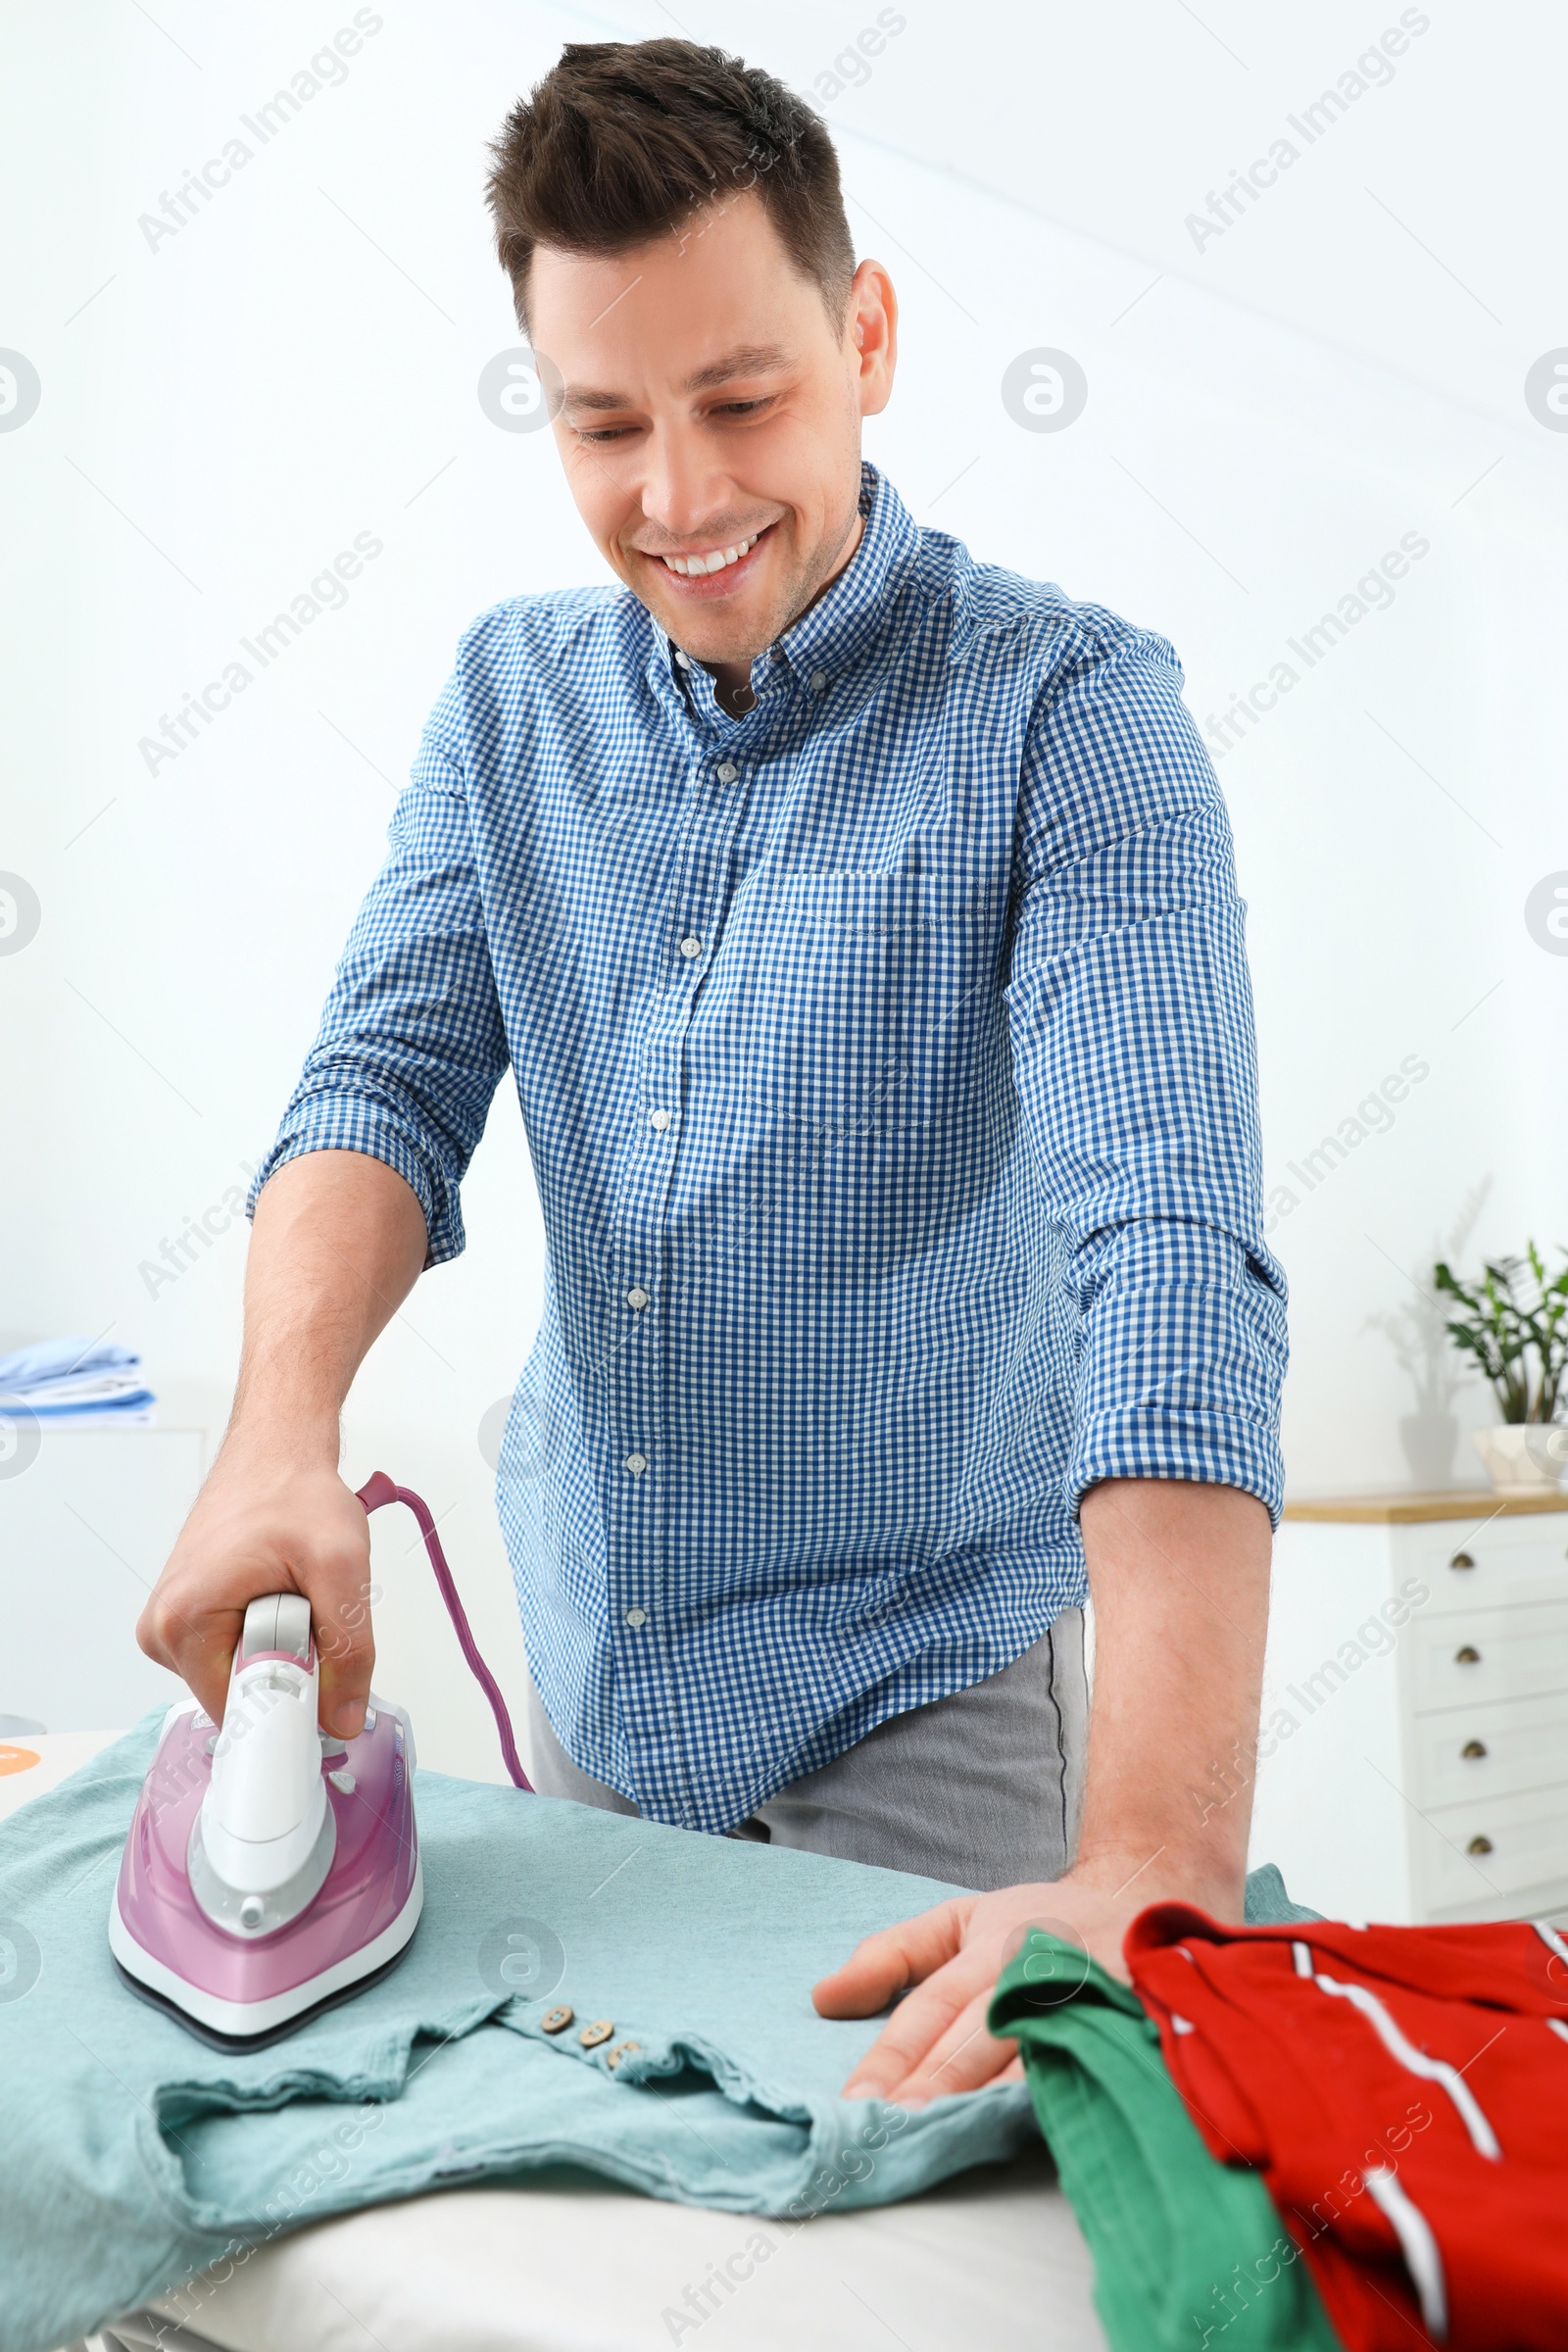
(379, 1488)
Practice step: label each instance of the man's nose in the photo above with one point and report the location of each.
(685, 487)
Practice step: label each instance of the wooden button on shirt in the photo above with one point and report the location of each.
(591, 2036)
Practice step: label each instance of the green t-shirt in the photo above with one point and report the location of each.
(1188, 2253)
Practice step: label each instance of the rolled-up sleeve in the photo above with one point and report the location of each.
(1130, 1020)
(412, 1045)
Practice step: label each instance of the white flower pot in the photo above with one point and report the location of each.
(1429, 1441)
(1524, 1457)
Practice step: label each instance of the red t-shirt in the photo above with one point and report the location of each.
(1404, 2093)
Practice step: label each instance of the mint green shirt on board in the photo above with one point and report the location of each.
(135, 2155)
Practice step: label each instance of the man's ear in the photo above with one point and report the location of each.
(874, 335)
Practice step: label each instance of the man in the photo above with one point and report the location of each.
(859, 924)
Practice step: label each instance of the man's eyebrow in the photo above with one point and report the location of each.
(750, 358)
(583, 396)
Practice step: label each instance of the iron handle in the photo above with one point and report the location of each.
(1467, 1655)
(1474, 1748)
(1479, 1845)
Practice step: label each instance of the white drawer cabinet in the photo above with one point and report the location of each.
(1469, 1656)
(1517, 1845)
(1415, 1758)
(1495, 1749)
(1482, 1563)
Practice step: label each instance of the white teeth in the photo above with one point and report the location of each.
(691, 567)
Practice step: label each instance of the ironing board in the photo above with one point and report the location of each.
(576, 2265)
(992, 2257)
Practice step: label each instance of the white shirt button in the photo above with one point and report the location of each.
(658, 1119)
(691, 945)
(819, 680)
(636, 1617)
(636, 1463)
(637, 1296)
(683, 660)
(726, 772)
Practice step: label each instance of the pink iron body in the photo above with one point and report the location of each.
(272, 1868)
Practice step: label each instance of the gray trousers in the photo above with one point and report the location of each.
(982, 1788)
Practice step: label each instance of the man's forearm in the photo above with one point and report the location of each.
(1179, 1577)
(337, 1244)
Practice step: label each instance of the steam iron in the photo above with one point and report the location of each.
(272, 1869)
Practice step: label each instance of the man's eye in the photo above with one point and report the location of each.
(741, 407)
(603, 432)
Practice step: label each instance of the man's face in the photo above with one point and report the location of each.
(713, 416)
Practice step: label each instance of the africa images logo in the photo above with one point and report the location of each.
(1373, 70)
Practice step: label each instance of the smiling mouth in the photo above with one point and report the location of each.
(718, 558)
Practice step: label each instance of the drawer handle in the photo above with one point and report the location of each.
(1474, 1748)
(1467, 1655)
(1461, 1559)
(1479, 1845)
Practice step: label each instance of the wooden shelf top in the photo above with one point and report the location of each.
(1411, 1507)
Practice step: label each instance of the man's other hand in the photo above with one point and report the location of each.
(936, 2040)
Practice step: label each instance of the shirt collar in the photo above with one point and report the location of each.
(837, 627)
(817, 650)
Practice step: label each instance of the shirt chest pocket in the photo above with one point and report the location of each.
(866, 994)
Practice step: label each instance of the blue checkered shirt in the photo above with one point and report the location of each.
(886, 1062)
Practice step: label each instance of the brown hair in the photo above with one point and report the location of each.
(623, 140)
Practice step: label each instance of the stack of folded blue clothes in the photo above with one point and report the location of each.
(75, 1380)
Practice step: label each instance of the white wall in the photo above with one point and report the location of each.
(1267, 415)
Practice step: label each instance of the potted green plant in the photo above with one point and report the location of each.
(1515, 1325)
